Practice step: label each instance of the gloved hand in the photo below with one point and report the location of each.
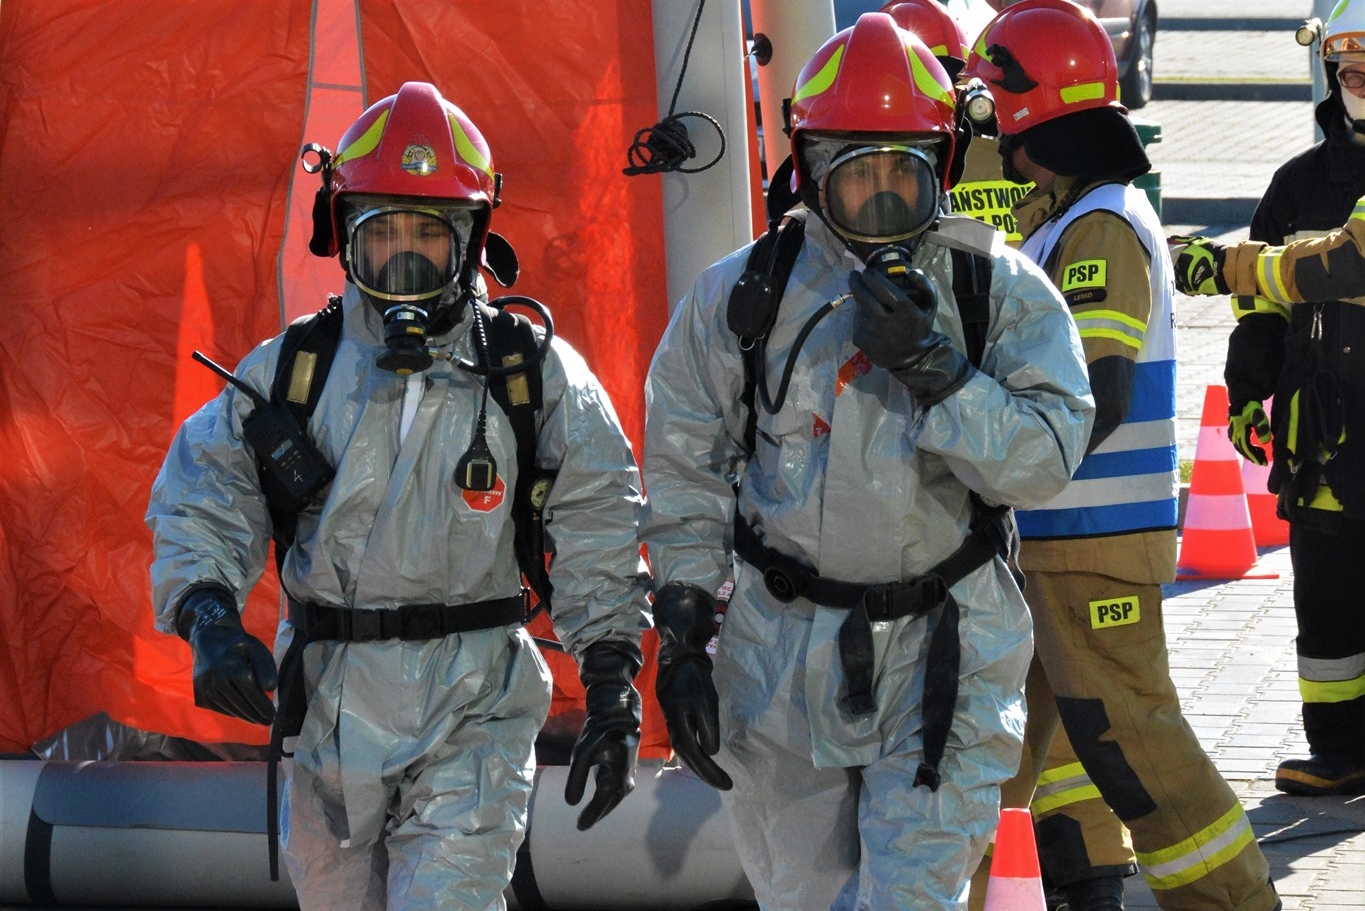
(895, 329)
(233, 670)
(610, 738)
(1198, 264)
(1241, 425)
(685, 617)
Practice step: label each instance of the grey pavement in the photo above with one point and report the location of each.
(1231, 643)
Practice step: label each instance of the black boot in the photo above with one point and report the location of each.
(1321, 774)
(1103, 893)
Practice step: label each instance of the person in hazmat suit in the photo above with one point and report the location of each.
(413, 762)
(865, 696)
(1302, 358)
(1096, 556)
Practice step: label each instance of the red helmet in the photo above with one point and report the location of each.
(1043, 59)
(930, 21)
(413, 144)
(874, 78)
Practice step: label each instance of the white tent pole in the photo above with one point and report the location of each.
(708, 214)
(795, 29)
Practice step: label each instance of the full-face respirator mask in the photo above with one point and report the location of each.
(874, 193)
(407, 260)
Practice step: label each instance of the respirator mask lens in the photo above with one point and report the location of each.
(405, 254)
(881, 194)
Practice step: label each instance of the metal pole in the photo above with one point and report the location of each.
(707, 215)
(794, 29)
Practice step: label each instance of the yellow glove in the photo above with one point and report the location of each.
(1198, 264)
(1241, 426)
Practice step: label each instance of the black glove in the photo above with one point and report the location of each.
(1242, 423)
(685, 616)
(233, 670)
(895, 330)
(610, 738)
(1198, 264)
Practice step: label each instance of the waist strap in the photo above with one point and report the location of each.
(318, 622)
(787, 580)
(411, 622)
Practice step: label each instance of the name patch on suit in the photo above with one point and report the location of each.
(1108, 612)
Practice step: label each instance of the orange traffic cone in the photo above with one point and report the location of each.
(1268, 529)
(1016, 884)
(1216, 541)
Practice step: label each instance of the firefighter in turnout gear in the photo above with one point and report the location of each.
(1095, 557)
(865, 697)
(1063, 788)
(1315, 432)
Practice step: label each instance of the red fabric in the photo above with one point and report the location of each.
(141, 184)
(559, 96)
(149, 152)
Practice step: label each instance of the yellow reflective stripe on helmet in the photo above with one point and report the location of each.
(1268, 279)
(1324, 680)
(1063, 786)
(926, 83)
(1086, 91)
(1200, 854)
(1111, 324)
(365, 143)
(466, 149)
(822, 80)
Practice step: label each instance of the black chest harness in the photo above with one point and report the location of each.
(751, 312)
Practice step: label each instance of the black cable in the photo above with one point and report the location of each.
(481, 343)
(1280, 839)
(769, 404)
(666, 145)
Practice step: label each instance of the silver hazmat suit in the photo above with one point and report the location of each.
(854, 481)
(411, 776)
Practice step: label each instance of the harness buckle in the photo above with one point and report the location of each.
(784, 586)
(361, 624)
(879, 601)
(421, 624)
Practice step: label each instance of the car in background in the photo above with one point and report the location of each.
(1131, 25)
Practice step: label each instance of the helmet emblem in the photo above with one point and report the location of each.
(419, 159)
